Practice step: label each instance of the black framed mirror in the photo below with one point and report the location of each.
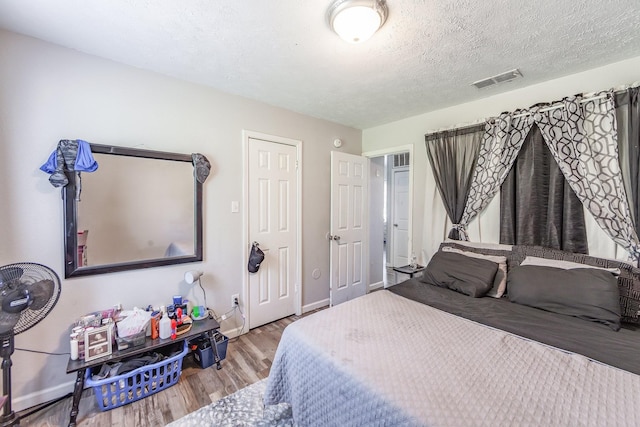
(139, 209)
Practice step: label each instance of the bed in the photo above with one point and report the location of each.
(422, 354)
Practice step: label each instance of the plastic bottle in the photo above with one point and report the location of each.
(174, 329)
(165, 327)
(74, 346)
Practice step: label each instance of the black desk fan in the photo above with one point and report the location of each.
(28, 292)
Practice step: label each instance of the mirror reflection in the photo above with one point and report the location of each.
(135, 208)
(139, 209)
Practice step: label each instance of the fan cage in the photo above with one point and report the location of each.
(31, 273)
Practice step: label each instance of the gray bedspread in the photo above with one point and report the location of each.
(383, 359)
(594, 340)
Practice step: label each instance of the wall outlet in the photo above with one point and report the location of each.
(235, 300)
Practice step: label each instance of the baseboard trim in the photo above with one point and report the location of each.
(314, 306)
(234, 332)
(374, 286)
(39, 397)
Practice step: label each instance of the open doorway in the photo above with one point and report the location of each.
(389, 216)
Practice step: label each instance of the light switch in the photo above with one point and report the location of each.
(235, 207)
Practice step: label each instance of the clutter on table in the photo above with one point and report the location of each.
(130, 376)
(92, 335)
(97, 334)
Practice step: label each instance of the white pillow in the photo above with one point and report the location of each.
(565, 265)
(500, 281)
(480, 245)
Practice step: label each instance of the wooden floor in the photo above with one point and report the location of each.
(248, 360)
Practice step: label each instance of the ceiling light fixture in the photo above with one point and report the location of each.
(357, 20)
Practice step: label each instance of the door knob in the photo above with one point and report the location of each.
(395, 225)
(336, 238)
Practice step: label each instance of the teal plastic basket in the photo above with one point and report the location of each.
(135, 385)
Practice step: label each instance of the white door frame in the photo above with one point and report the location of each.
(397, 150)
(246, 135)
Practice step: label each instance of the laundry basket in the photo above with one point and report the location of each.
(135, 385)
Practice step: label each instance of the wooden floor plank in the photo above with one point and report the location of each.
(247, 345)
(194, 393)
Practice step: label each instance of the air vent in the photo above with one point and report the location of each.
(400, 160)
(500, 78)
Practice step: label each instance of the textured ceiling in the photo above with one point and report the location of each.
(282, 52)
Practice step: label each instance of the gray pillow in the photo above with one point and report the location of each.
(587, 293)
(470, 276)
(500, 281)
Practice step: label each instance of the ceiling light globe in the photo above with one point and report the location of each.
(357, 20)
(356, 24)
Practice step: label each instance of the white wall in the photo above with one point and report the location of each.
(427, 203)
(48, 93)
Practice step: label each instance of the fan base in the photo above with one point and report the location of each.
(10, 419)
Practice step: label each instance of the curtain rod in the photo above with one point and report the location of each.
(554, 106)
(470, 128)
(558, 105)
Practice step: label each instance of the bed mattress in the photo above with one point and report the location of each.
(594, 340)
(384, 359)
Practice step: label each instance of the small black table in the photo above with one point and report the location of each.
(206, 326)
(407, 269)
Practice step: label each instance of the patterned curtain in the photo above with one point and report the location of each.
(501, 144)
(582, 137)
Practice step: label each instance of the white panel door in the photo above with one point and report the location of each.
(272, 202)
(400, 217)
(349, 231)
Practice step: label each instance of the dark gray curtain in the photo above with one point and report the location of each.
(628, 117)
(537, 205)
(453, 155)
